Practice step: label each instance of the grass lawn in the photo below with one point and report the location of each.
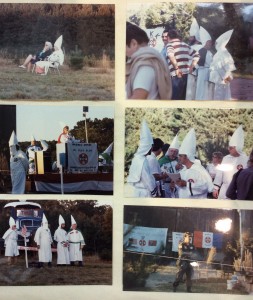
(94, 272)
(85, 84)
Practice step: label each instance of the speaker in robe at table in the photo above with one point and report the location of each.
(42, 162)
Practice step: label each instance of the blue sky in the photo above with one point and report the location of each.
(46, 121)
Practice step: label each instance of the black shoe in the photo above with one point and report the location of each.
(49, 265)
(80, 264)
(72, 264)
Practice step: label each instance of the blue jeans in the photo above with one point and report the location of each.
(179, 85)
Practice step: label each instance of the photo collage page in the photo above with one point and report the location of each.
(126, 172)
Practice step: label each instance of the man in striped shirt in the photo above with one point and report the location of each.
(182, 60)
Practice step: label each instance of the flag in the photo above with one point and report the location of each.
(24, 231)
(145, 239)
(203, 239)
(217, 240)
(197, 239)
(207, 241)
(177, 237)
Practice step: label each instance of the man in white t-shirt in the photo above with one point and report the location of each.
(147, 73)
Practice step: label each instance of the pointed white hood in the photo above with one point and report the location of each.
(33, 138)
(11, 222)
(194, 29)
(58, 42)
(13, 139)
(44, 222)
(188, 146)
(175, 143)
(146, 140)
(204, 36)
(223, 39)
(61, 220)
(237, 139)
(73, 221)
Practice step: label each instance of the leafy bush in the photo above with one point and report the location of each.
(76, 59)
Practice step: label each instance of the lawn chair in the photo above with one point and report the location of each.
(54, 61)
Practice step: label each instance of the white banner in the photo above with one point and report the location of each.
(177, 237)
(145, 239)
(207, 241)
(155, 37)
(82, 157)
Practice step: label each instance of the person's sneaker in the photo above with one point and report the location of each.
(23, 67)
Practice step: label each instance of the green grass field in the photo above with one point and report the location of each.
(85, 84)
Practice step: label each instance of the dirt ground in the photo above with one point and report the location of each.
(162, 281)
(242, 89)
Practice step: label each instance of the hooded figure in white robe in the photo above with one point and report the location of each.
(43, 239)
(221, 68)
(230, 164)
(206, 57)
(76, 244)
(61, 237)
(10, 241)
(197, 181)
(18, 166)
(140, 176)
(30, 152)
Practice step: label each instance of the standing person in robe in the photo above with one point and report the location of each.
(241, 186)
(11, 242)
(43, 239)
(140, 176)
(76, 244)
(194, 180)
(221, 68)
(231, 163)
(154, 165)
(169, 164)
(203, 66)
(61, 237)
(30, 152)
(147, 74)
(18, 166)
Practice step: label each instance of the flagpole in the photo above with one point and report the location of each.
(26, 258)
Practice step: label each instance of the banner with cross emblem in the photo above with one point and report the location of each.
(82, 157)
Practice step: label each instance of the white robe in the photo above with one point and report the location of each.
(76, 241)
(197, 184)
(141, 178)
(61, 237)
(10, 241)
(220, 68)
(203, 78)
(18, 166)
(223, 178)
(43, 239)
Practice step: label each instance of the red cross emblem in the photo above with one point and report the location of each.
(190, 180)
(83, 158)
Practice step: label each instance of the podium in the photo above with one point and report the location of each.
(42, 162)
